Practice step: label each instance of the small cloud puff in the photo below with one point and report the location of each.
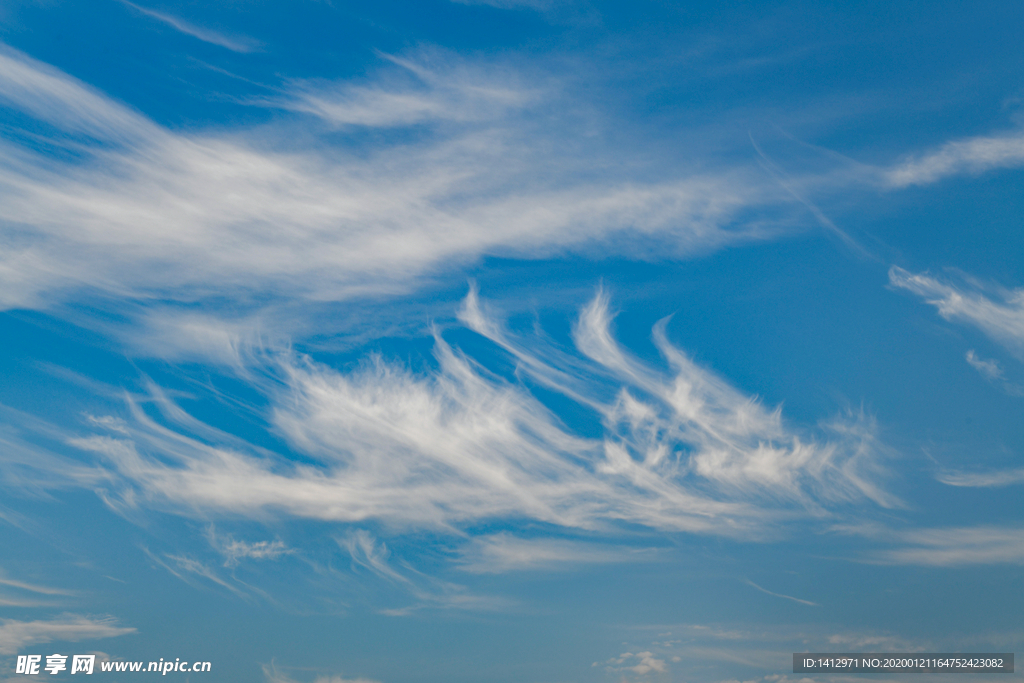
(274, 676)
(234, 550)
(640, 663)
(988, 368)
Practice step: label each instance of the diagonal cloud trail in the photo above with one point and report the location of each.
(780, 595)
(233, 43)
(135, 211)
(1002, 321)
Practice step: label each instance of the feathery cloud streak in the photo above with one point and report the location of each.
(67, 104)
(16, 635)
(973, 155)
(33, 588)
(458, 445)
(141, 211)
(138, 211)
(233, 43)
(728, 437)
(993, 479)
(432, 90)
(20, 588)
(989, 369)
(499, 553)
(1003, 320)
(959, 546)
(780, 595)
(370, 554)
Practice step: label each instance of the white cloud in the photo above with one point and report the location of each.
(33, 588)
(185, 567)
(22, 587)
(759, 658)
(695, 648)
(417, 93)
(275, 676)
(988, 368)
(729, 438)
(235, 550)
(427, 592)
(973, 155)
(876, 643)
(368, 553)
(233, 43)
(23, 602)
(249, 215)
(958, 547)
(68, 104)
(191, 336)
(1002, 320)
(457, 445)
(640, 663)
(17, 635)
(22, 461)
(260, 550)
(992, 479)
(499, 553)
(780, 595)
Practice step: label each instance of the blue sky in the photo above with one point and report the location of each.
(510, 340)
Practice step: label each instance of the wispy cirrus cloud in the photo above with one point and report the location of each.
(683, 452)
(235, 550)
(876, 642)
(780, 595)
(500, 553)
(21, 459)
(287, 212)
(66, 103)
(958, 546)
(189, 568)
(988, 368)
(432, 89)
(972, 155)
(17, 635)
(641, 663)
(20, 599)
(233, 43)
(991, 479)
(730, 438)
(33, 587)
(688, 649)
(142, 211)
(369, 553)
(999, 315)
(992, 370)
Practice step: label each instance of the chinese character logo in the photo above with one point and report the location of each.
(28, 664)
(55, 663)
(83, 664)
